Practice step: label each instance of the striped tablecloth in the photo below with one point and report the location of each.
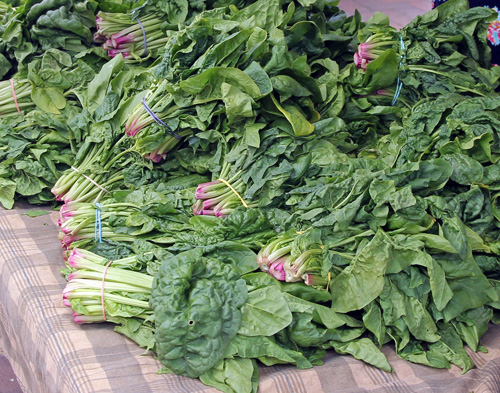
(50, 353)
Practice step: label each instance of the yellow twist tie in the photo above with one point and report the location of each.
(329, 279)
(234, 190)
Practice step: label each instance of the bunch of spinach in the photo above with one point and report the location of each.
(38, 25)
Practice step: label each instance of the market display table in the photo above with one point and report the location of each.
(50, 353)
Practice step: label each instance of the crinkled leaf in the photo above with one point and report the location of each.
(197, 304)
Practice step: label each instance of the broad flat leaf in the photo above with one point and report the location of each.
(267, 351)
(413, 352)
(48, 99)
(363, 280)
(299, 123)
(265, 313)
(36, 213)
(373, 321)
(363, 349)
(252, 137)
(207, 85)
(265, 14)
(238, 104)
(232, 376)
(419, 321)
(402, 198)
(98, 87)
(451, 346)
(7, 192)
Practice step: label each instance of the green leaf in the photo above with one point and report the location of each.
(177, 11)
(268, 351)
(373, 321)
(413, 352)
(242, 258)
(232, 376)
(363, 280)
(402, 198)
(472, 324)
(48, 99)
(466, 170)
(381, 72)
(197, 304)
(207, 86)
(265, 14)
(419, 321)
(451, 346)
(299, 123)
(98, 87)
(363, 349)
(265, 313)
(252, 136)
(238, 104)
(260, 77)
(36, 213)
(7, 192)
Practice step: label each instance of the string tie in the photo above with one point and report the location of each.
(234, 191)
(14, 95)
(98, 223)
(143, 36)
(158, 120)
(89, 179)
(102, 289)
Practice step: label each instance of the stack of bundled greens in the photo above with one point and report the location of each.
(440, 52)
(366, 192)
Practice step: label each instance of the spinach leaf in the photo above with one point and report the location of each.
(197, 304)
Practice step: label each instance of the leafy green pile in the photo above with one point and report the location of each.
(365, 191)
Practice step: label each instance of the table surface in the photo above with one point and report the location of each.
(50, 353)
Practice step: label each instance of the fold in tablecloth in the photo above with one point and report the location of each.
(50, 353)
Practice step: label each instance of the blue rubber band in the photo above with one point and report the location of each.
(143, 36)
(158, 120)
(98, 223)
(399, 87)
(399, 82)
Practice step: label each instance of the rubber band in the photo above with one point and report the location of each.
(399, 87)
(143, 36)
(328, 283)
(102, 289)
(233, 190)
(158, 120)
(98, 223)
(399, 82)
(89, 179)
(14, 95)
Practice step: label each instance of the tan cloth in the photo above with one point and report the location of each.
(50, 353)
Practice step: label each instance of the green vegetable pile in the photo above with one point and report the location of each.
(259, 182)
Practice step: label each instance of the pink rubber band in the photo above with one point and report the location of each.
(14, 95)
(102, 289)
